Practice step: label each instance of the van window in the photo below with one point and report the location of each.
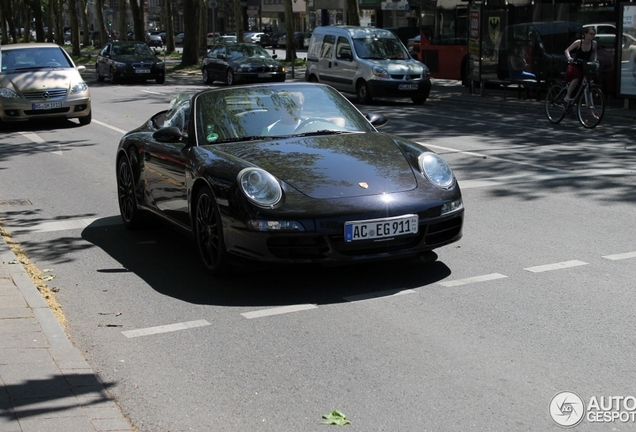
(327, 46)
(380, 48)
(343, 46)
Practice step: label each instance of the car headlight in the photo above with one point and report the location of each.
(79, 88)
(380, 72)
(120, 64)
(260, 187)
(436, 169)
(159, 64)
(426, 72)
(7, 93)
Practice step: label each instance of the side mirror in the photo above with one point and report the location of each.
(274, 56)
(376, 120)
(168, 134)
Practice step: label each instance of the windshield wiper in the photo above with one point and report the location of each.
(248, 138)
(323, 132)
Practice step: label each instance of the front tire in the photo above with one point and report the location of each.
(208, 231)
(554, 103)
(363, 93)
(86, 120)
(418, 100)
(229, 77)
(126, 195)
(100, 77)
(590, 112)
(161, 79)
(207, 79)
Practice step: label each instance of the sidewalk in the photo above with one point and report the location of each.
(46, 385)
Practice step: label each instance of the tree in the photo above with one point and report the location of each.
(138, 20)
(121, 23)
(238, 20)
(75, 42)
(353, 12)
(290, 43)
(38, 17)
(169, 27)
(190, 57)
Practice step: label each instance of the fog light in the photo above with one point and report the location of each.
(263, 225)
(452, 206)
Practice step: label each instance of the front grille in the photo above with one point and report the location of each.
(143, 65)
(401, 77)
(51, 111)
(58, 93)
(443, 231)
(303, 247)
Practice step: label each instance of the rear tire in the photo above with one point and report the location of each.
(363, 93)
(126, 195)
(591, 115)
(554, 104)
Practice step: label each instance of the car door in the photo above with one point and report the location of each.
(325, 63)
(344, 65)
(165, 168)
(217, 63)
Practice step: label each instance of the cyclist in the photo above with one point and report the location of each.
(584, 51)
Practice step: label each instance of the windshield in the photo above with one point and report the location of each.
(247, 50)
(380, 48)
(138, 49)
(264, 111)
(33, 59)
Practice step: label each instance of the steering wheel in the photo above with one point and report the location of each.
(309, 121)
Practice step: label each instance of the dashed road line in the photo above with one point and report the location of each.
(38, 140)
(474, 279)
(555, 266)
(508, 180)
(278, 311)
(620, 256)
(116, 129)
(165, 328)
(380, 294)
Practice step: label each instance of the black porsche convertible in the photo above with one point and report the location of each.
(288, 173)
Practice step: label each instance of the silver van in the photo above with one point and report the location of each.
(366, 61)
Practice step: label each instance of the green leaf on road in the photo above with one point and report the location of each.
(335, 417)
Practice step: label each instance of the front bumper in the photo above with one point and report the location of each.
(16, 110)
(400, 88)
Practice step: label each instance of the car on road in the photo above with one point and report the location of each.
(240, 63)
(40, 81)
(332, 189)
(178, 38)
(130, 60)
(154, 41)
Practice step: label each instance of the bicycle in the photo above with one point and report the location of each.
(588, 99)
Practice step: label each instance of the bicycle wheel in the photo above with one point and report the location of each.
(591, 107)
(554, 105)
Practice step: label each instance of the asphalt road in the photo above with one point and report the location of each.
(536, 299)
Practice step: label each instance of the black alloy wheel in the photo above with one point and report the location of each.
(126, 196)
(208, 231)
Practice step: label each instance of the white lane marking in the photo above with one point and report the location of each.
(116, 129)
(375, 295)
(165, 328)
(515, 179)
(62, 225)
(620, 256)
(474, 279)
(555, 266)
(278, 311)
(38, 140)
(152, 92)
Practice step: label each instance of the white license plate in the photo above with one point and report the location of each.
(265, 75)
(381, 228)
(407, 87)
(46, 105)
(142, 70)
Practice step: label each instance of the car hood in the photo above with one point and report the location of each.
(41, 80)
(336, 166)
(398, 67)
(256, 61)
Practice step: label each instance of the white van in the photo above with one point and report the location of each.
(366, 61)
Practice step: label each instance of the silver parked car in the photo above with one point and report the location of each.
(40, 81)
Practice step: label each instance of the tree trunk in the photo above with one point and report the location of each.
(353, 13)
(123, 28)
(138, 20)
(238, 21)
(169, 28)
(75, 33)
(191, 8)
(290, 43)
(38, 18)
(86, 39)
